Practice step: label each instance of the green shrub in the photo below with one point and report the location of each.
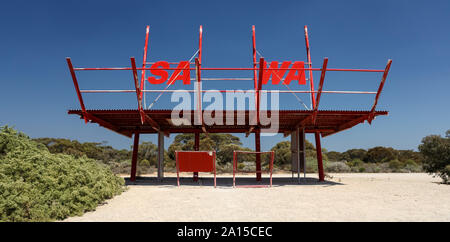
(337, 167)
(410, 162)
(36, 185)
(395, 165)
(447, 174)
(355, 163)
(144, 162)
(436, 152)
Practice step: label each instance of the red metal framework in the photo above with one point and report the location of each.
(146, 120)
(258, 169)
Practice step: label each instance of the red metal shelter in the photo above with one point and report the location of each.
(296, 123)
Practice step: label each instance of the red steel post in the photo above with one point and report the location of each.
(77, 88)
(178, 168)
(272, 156)
(380, 88)
(319, 156)
(198, 64)
(134, 157)
(234, 168)
(196, 148)
(258, 93)
(258, 155)
(138, 90)
(319, 93)
(200, 44)
(214, 160)
(311, 82)
(199, 92)
(255, 78)
(144, 62)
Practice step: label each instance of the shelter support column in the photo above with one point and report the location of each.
(258, 155)
(196, 148)
(294, 153)
(160, 155)
(134, 157)
(319, 156)
(302, 152)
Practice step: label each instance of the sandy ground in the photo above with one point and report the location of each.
(343, 197)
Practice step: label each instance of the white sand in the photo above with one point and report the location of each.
(346, 197)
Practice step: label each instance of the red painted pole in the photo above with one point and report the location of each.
(214, 169)
(308, 54)
(319, 156)
(260, 80)
(138, 90)
(134, 157)
(196, 148)
(198, 63)
(199, 91)
(234, 168)
(319, 93)
(255, 78)
(77, 88)
(258, 155)
(178, 168)
(143, 62)
(380, 88)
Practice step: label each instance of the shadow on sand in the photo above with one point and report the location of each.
(228, 181)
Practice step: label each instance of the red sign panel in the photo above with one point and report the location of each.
(196, 161)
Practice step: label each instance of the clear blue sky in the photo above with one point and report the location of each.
(36, 89)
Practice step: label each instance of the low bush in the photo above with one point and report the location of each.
(36, 185)
(337, 167)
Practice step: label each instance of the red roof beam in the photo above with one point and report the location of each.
(105, 124)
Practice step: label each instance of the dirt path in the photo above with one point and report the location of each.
(345, 197)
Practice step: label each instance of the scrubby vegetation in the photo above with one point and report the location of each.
(50, 179)
(436, 150)
(36, 185)
(373, 160)
(377, 159)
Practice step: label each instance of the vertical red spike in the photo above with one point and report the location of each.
(311, 82)
(144, 61)
(254, 65)
(198, 63)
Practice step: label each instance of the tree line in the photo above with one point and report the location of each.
(376, 159)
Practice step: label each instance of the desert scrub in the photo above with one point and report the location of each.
(36, 185)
